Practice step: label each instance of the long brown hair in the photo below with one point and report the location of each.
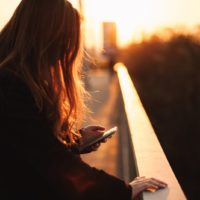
(42, 39)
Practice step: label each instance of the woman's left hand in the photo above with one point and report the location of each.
(140, 184)
(88, 134)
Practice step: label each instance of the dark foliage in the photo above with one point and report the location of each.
(167, 77)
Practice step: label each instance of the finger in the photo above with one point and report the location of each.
(157, 183)
(104, 140)
(150, 187)
(139, 178)
(97, 127)
(95, 147)
(109, 136)
(97, 133)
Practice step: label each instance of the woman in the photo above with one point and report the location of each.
(41, 107)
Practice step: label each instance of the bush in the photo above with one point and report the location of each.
(167, 77)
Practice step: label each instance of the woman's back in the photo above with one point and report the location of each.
(35, 165)
(41, 104)
(19, 178)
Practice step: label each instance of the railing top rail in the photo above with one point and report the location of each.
(150, 158)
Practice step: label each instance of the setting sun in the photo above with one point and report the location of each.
(134, 18)
(130, 16)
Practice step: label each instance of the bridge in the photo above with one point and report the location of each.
(135, 149)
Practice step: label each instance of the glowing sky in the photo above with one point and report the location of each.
(130, 15)
(136, 16)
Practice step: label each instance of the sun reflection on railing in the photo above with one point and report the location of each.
(150, 159)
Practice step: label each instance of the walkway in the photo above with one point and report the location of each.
(104, 91)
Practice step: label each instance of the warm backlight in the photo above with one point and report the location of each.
(130, 15)
(135, 18)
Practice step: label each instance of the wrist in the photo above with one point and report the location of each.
(132, 192)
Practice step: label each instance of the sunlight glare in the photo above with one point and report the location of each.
(132, 17)
(137, 18)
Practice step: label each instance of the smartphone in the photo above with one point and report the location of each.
(106, 134)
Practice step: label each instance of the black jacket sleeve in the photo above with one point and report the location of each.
(36, 164)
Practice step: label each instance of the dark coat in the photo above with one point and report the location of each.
(34, 164)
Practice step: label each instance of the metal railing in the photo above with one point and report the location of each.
(143, 155)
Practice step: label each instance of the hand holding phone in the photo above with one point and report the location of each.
(92, 142)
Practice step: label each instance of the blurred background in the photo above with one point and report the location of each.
(159, 41)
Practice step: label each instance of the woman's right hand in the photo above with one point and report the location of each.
(89, 133)
(141, 184)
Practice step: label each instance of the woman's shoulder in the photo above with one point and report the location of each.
(8, 75)
(13, 90)
(10, 81)
(6, 80)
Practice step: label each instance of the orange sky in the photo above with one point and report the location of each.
(132, 16)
